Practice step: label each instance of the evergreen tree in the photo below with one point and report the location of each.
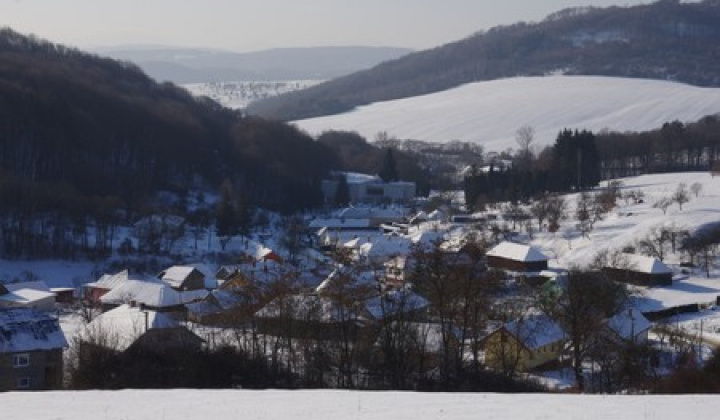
(388, 170)
(342, 193)
(226, 223)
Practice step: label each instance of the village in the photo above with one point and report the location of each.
(393, 292)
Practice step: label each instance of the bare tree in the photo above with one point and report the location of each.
(663, 204)
(696, 187)
(681, 195)
(586, 301)
(555, 212)
(524, 137)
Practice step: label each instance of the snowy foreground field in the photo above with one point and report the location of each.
(316, 405)
(489, 113)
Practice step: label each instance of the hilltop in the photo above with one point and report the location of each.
(654, 41)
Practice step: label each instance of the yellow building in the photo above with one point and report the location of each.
(524, 344)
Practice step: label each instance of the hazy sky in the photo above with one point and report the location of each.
(244, 25)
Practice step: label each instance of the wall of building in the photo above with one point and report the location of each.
(44, 371)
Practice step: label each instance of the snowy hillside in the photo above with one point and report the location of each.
(287, 405)
(237, 95)
(489, 113)
(629, 223)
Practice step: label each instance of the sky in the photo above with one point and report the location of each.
(250, 25)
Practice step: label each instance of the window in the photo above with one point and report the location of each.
(22, 383)
(21, 360)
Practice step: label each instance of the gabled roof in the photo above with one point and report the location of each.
(26, 296)
(25, 329)
(308, 308)
(151, 292)
(109, 281)
(32, 285)
(629, 323)
(120, 327)
(177, 274)
(517, 252)
(535, 331)
(395, 303)
(648, 265)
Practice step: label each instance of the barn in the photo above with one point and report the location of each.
(641, 270)
(516, 257)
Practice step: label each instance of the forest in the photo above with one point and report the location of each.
(89, 143)
(653, 41)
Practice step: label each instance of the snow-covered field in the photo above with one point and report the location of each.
(314, 405)
(629, 223)
(489, 113)
(237, 95)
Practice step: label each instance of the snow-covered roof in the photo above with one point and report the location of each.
(629, 323)
(517, 252)
(177, 274)
(26, 296)
(25, 329)
(365, 278)
(427, 237)
(32, 285)
(648, 265)
(338, 223)
(121, 326)
(436, 215)
(535, 331)
(306, 308)
(109, 281)
(394, 303)
(359, 178)
(154, 293)
(372, 212)
(385, 246)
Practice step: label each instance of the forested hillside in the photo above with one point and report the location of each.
(658, 40)
(84, 137)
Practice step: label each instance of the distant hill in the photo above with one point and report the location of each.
(193, 65)
(666, 40)
(489, 113)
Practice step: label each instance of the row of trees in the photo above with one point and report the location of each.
(572, 163)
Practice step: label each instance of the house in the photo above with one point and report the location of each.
(31, 346)
(95, 290)
(35, 294)
(135, 327)
(524, 344)
(395, 304)
(216, 308)
(630, 325)
(310, 316)
(364, 188)
(516, 257)
(382, 248)
(151, 293)
(183, 278)
(640, 270)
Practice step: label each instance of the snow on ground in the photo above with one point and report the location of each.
(489, 113)
(629, 223)
(313, 405)
(55, 273)
(238, 95)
